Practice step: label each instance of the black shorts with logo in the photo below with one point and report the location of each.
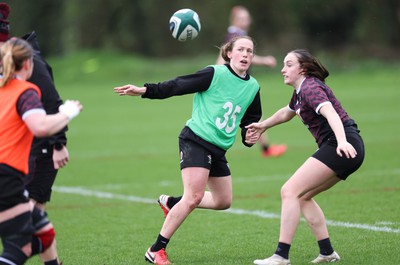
(196, 152)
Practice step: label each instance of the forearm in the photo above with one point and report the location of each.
(181, 85)
(46, 125)
(56, 123)
(337, 127)
(334, 122)
(252, 115)
(281, 116)
(255, 130)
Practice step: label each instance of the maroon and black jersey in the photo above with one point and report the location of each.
(307, 101)
(234, 32)
(29, 101)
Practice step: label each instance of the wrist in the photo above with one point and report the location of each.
(70, 109)
(58, 146)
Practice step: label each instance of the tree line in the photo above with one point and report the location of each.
(355, 27)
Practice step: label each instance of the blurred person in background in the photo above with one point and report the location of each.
(24, 229)
(240, 21)
(340, 153)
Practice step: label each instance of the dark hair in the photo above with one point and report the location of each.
(310, 65)
(228, 46)
(13, 54)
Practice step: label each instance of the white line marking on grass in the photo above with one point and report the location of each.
(261, 214)
(386, 223)
(363, 226)
(102, 195)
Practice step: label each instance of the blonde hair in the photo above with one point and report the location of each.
(13, 54)
(227, 47)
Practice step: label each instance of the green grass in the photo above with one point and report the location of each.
(128, 147)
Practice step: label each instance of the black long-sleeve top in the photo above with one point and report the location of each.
(42, 76)
(198, 82)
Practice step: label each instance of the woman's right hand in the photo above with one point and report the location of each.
(71, 108)
(130, 90)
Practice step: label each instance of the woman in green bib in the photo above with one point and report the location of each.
(226, 98)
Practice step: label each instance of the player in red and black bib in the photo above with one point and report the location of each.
(24, 229)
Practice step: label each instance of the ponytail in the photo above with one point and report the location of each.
(13, 54)
(310, 65)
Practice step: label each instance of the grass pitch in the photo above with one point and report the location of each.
(124, 154)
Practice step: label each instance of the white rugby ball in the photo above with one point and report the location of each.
(184, 24)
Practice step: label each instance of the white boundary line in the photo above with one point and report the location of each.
(261, 214)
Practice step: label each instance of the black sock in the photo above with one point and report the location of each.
(173, 200)
(325, 246)
(283, 250)
(51, 262)
(265, 147)
(160, 243)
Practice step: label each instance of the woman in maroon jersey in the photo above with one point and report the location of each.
(340, 152)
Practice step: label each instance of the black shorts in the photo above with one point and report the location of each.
(342, 166)
(196, 152)
(41, 177)
(12, 187)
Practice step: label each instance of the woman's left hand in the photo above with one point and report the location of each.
(347, 149)
(60, 157)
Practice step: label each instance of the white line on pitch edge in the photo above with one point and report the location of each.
(262, 214)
